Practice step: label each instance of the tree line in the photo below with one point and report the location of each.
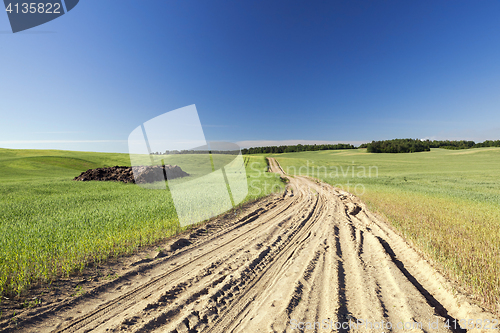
(195, 151)
(397, 146)
(464, 144)
(416, 145)
(385, 146)
(294, 149)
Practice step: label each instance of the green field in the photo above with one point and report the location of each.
(52, 226)
(445, 202)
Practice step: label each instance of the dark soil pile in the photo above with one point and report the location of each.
(150, 174)
(144, 174)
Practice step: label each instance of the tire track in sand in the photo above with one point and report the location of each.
(312, 255)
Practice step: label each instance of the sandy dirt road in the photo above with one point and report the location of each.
(311, 255)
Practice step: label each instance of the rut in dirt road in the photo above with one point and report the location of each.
(312, 256)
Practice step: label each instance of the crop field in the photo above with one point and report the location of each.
(444, 202)
(53, 226)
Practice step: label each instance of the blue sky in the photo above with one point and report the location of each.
(258, 71)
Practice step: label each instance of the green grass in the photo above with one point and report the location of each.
(444, 202)
(52, 226)
(22, 165)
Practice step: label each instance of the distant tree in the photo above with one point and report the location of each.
(386, 146)
(295, 148)
(398, 146)
(415, 145)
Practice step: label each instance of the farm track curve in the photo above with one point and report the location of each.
(313, 254)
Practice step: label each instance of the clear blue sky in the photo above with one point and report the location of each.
(350, 71)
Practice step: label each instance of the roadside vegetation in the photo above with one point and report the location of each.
(444, 202)
(52, 226)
